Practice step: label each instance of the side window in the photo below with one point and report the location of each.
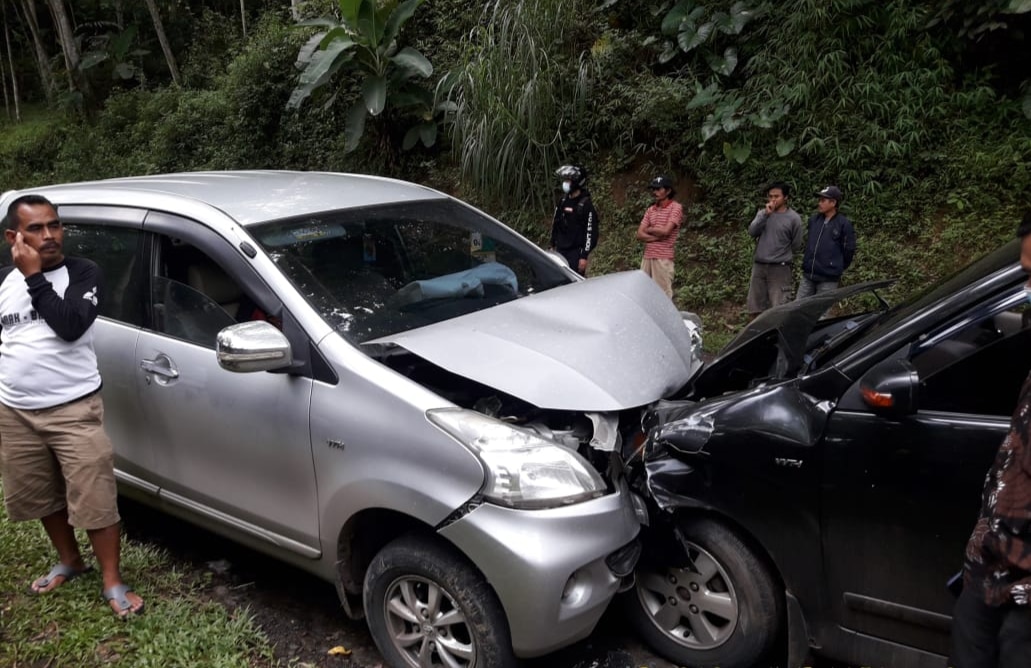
(978, 366)
(193, 297)
(116, 252)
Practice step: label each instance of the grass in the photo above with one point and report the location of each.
(72, 626)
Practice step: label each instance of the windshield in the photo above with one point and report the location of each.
(377, 271)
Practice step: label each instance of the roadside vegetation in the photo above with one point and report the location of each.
(919, 110)
(72, 626)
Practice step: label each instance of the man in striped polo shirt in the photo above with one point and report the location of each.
(658, 230)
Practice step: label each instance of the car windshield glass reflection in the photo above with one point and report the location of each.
(378, 271)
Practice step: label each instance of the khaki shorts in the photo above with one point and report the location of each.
(59, 457)
(661, 272)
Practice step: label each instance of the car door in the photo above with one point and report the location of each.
(112, 237)
(901, 496)
(231, 448)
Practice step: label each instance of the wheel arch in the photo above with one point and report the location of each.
(362, 536)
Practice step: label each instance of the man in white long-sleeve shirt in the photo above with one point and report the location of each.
(57, 462)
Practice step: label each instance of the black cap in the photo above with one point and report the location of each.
(832, 192)
(661, 181)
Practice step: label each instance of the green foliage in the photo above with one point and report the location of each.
(917, 109)
(363, 42)
(116, 50)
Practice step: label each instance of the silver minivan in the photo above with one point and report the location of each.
(384, 386)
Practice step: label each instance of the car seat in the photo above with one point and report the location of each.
(210, 280)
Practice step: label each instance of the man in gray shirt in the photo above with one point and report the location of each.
(778, 231)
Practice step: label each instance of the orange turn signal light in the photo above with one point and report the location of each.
(876, 399)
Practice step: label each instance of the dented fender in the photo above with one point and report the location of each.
(769, 426)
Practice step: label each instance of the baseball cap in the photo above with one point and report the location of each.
(832, 192)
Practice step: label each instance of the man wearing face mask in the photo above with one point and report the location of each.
(574, 231)
(991, 621)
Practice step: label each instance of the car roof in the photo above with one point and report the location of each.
(249, 197)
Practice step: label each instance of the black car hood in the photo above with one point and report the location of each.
(783, 331)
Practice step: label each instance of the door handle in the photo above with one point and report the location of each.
(161, 366)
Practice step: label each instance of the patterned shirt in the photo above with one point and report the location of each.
(998, 555)
(659, 215)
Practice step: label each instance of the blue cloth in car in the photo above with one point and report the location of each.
(468, 283)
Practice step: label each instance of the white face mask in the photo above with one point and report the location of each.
(566, 186)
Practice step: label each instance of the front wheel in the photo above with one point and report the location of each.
(709, 602)
(427, 606)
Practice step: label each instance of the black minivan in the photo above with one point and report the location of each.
(817, 494)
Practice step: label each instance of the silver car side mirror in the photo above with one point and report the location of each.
(252, 346)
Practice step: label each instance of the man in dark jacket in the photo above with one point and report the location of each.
(574, 231)
(830, 247)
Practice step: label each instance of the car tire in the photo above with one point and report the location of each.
(428, 606)
(704, 599)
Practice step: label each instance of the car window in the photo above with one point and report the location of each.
(115, 250)
(977, 364)
(192, 296)
(376, 271)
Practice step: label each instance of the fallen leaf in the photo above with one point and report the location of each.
(339, 650)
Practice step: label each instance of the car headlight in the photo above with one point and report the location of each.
(524, 470)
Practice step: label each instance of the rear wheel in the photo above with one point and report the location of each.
(710, 601)
(427, 606)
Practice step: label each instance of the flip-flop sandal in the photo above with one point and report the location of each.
(118, 595)
(59, 570)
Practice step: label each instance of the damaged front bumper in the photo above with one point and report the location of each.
(555, 570)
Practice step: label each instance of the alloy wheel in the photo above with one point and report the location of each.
(695, 605)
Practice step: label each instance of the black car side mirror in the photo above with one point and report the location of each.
(891, 389)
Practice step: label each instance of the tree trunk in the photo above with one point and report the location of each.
(243, 18)
(46, 73)
(163, 40)
(66, 36)
(295, 11)
(14, 77)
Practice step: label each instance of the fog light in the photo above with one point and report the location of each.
(575, 590)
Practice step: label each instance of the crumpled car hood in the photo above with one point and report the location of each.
(604, 344)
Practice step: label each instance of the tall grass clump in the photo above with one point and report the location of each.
(514, 103)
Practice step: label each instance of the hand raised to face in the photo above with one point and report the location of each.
(25, 257)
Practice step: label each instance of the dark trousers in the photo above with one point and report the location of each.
(989, 637)
(572, 256)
